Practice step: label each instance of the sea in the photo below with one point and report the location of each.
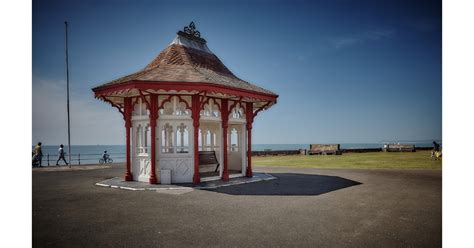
(90, 154)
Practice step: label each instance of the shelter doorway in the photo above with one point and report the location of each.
(236, 150)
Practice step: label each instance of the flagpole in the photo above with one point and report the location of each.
(67, 83)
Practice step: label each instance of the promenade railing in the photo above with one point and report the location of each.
(82, 158)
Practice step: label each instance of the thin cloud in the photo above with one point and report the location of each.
(425, 24)
(360, 38)
(92, 121)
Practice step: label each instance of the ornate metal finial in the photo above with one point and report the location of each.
(191, 30)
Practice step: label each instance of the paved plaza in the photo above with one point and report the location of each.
(301, 207)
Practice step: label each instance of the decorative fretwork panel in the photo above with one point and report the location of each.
(211, 109)
(175, 106)
(144, 167)
(237, 112)
(140, 108)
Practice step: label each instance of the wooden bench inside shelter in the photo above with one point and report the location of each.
(207, 159)
(324, 149)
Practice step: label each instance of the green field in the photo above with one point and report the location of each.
(369, 160)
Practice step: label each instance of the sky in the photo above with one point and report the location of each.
(345, 71)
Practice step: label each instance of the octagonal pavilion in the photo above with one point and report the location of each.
(184, 105)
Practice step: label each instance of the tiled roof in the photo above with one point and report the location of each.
(187, 60)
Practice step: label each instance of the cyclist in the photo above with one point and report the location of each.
(105, 156)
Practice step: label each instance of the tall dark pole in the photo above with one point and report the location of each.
(68, 120)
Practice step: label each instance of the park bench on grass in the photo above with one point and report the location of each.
(325, 149)
(399, 148)
(207, 159)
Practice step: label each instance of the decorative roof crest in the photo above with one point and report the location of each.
(191, 30)
(191, 33)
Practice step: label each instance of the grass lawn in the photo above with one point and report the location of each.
(370, 160)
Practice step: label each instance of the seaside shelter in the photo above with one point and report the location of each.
(185, 104)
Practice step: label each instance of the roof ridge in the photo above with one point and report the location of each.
(158, 59)
(188, 57)
(195, 67)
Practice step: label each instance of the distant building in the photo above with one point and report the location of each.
(181, 104)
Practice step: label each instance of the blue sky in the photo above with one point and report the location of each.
(345, 71)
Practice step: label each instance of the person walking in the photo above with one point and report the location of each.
(435, 146)
(61, 155)
(38, 157)
(435, 153)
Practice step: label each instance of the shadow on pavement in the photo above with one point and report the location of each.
(290, 184)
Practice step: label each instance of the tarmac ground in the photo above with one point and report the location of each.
(302, 207)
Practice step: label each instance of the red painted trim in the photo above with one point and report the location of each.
(128, 124)
(203, 95)
(165, 101)
(113, 104)
(196, 115)
(204, 102)
(235, 104)
(153, 118)
(260, 109)
(214, 100)
(225, 125)
(183, 86)
(144, 100)
(135, 102)
(249, 117)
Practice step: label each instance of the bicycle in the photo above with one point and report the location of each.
(106, 161)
